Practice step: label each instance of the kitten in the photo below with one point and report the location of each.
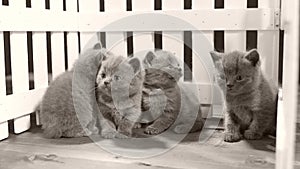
(67, 108)
(250, 98)
(119, 92)
(181, 106)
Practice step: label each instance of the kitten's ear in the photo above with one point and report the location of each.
(135, 64)
(216, 56)
(149, 57)
(97, 46)
(252, 56)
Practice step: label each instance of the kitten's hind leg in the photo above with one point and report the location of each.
(52, 132)
(257, 128)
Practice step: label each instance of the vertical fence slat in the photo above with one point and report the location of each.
(235, 40)
(268, 45)
(72, 37)
(57, 44)
(142, 42)
(173, 41)
(20, 80)
(3, 125)
(200, 74)
(91, 6)
(19, 66)
(116, 41)
(39, 48)
(287, 113)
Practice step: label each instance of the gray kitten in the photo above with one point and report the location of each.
(119, 92)
(250, 98)
(67, 107)
(182, 107)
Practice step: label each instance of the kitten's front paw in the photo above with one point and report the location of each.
(121, 136)
(251, 135)
(152, 130)
(109, 133)
(232, 137)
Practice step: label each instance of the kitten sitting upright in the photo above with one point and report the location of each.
(67, 107)
(181, 111)
(119, 92)
(250, 98)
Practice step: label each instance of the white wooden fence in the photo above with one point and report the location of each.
(38, 35)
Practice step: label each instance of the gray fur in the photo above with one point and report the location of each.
(250, 98)
(67, 108)
(182, 107)
(119, 93)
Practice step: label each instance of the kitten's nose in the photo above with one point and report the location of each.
(106, 83)
(229, 86)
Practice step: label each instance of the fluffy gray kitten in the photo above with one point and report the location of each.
(119, 85)
(181, 109)
(67, 108)
(250, 98)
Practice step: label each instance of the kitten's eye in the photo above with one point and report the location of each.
(116, 77)
(103, 75)
(239, 78)
(222, 77)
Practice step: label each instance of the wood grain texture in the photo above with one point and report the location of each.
(31, 150)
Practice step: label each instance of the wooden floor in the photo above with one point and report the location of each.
(31, 151)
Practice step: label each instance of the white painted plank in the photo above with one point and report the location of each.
(116, 41)
(3, 124)
(269, 4)
(173, 41)
(203, 4)
(268, 47)
(145, 5)
(287, 115)
(2, 67)
(71, 5)
(91, 7)
(38, 5)
(142, 42)
(39, 47)
(72, 37)
(235, 40)
(201, 73)
(73, 49)
(57, 44)
(20, 79)
(207, 19)
(26, 104)
(3, 130)
(172, 5)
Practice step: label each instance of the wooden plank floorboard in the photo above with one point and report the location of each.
(24, 151)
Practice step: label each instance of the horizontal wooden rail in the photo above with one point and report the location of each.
(171, 20)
